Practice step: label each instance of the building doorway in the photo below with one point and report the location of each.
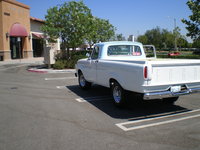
(38, 47)
(16, 47)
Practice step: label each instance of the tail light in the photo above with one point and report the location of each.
(145, 72)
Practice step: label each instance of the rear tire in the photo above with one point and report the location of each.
(118, 94)
(82, 82)
(170, 100)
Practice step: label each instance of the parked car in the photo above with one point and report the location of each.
(174, 54)
(123, 67)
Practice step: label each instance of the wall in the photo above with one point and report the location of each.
(35, 26)
(14, 12)
(1, 27)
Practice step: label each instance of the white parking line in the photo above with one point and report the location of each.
(63, 78)
(89, 99)
(156, 124)
(122, 125)
(61, 87)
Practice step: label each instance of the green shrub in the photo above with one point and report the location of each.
(196, 52)
(63, 63)
(59, 64)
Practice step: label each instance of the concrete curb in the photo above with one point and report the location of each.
(38, 70)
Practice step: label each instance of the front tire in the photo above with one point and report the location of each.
(118, 94)
(82, 82)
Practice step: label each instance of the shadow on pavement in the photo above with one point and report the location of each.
(132, 110)
(38, 66)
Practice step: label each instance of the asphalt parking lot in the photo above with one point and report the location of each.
(48, 111)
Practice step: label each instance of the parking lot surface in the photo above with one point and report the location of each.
(48, 111)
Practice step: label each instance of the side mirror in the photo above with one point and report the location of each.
(87, 55)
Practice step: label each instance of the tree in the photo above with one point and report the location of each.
(193, 24)
(163, 38)
(106, 30)
(120, 37)
(177, 35)
(167, 39)
(143, 39)
(196, 43)
(182, 42)
(100, 31)
(69, 22)
(155, 37)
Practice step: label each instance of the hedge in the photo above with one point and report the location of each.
(63, 63)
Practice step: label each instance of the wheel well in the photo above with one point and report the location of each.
(79, 72)
(111, 81)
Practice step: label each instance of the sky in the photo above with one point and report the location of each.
(130, 17)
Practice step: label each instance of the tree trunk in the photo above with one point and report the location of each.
(68, 56)
(91, 47)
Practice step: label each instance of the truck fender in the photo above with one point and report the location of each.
(117, 78)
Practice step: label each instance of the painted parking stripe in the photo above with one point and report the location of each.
(90, 99)
(159, 115)
(63, 78)
(61, 87)
(158, 123)
(123, 127)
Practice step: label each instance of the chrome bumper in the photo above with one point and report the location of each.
(166, 94)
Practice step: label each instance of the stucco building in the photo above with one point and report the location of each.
(20, 34)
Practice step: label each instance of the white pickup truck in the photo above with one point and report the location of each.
(123, 66)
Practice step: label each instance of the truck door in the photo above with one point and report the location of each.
(92, 74)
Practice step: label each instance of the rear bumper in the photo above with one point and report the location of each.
(166, 94)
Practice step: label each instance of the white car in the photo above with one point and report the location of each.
(123, 66)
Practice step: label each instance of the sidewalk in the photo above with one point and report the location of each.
(36, 65)
(38, 60)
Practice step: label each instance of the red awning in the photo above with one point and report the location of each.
(18, 30)
(40, 36)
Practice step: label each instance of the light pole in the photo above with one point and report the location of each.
(175, 34)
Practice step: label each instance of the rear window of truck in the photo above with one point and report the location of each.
(124, 50)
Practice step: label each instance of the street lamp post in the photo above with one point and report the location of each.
(175, 34)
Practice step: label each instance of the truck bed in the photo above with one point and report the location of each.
(167, 72)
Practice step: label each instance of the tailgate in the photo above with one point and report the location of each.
(175, 72)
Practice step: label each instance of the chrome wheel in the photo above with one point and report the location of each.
(82, 80)
(117, 94)
(83, 83)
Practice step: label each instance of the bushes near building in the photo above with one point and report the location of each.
(63, 63)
